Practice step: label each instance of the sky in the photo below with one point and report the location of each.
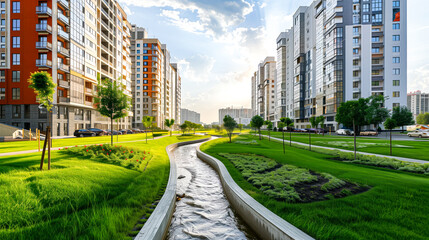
(219, 43)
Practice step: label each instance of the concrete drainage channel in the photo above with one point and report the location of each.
(262, 221)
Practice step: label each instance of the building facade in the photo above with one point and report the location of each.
(189, 115)
(417, 103)
(264, 89)
(74, 41)
(240, 115)
(342, 50)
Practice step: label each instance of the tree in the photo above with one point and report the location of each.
(111, 101)
(183, 127)
(44, 88)
(423, 118)
(269, 127)
(321, 120)
(390, 124)
(353, 113)
(376, 113)
(257, 122)
(289, 124)
(169, 123)
(229, 124)
(147, 123)
(189, 125)
(240, 126)
(281, 125)
(402, 116)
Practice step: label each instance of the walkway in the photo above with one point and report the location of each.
(348, 151)
(58, 148)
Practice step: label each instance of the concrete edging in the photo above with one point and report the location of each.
(260, 219)
(157, 225)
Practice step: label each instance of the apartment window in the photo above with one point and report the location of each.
(356, 51)
(145, 69)
(26, 111)
(138, 51)
(355, 84)
(375, 72)
(16, 93)
(355, 73)
(145, 63)
(375, 39)
(138, 45)
(144, 87)
(375, 83)
(396, 4)
(365, 18)
(16, 111)
(3, 4)
(16, 24)
(145, 76)
(375, 50)
(16, 76)
(138, 76)
(396, 71)
(145, 57)
(396, 83)
(355, 40)
(138, 87)
(16, 7)
(396, 49)
(396, 26)
(2, 76)
(43, 113)
(3, 22)
(138, 57)
(396, 38)
(138, 63)
(396, 60)
(138, 69)
(2, 112)
(144, 51)
(144, 93)
(145, 81)
(2, 93)
(144, 44)
(16, 42)
(377, 18)
(396, 94)
(138, 81)
(16, 59)
(395, 105)
(365, 7)
(356, 95)
(377, 5)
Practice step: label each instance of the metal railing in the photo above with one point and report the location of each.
(63, 100)
(43, 63)
(63, 51)
(63, 18)
(64, 67)
(42, 27)
(64, 3)
(63, 34)
(64, 84)
(44, 10)
(43, 45)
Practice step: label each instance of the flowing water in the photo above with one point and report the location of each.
(204, 212)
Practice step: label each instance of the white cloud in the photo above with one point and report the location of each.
(182, 23)
(128, 10)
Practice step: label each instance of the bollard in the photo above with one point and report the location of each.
(30, 134)
(38, 137)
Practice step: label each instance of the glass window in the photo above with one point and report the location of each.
(16, 24)
(396, 83)
(396, 3)
(396, 26)
(377, 18)
(375, 39)
(16, 42)
(2, 93)
(145, 57)
(396, 94)
(16, 94)
(396, 38)
(16, 7)
(365, 7)
(2, 112)
(375, 50)
(16, 59)
(396, 60)
(365, 18)
(16, 76)
(144, 44)
(396, 49)
(377, 5)
(396, 71)
(16, 111)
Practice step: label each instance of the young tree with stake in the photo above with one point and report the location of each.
(257, 122)
(147, 123)
(269, 127)
(229, 124)
(169, 123)
(390, 124)
(281, 125)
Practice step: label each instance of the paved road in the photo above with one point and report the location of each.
(385, 135)
(364, 153)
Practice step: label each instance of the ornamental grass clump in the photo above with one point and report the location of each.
(118, 155)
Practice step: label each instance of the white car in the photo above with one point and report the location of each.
(418, 133)
(344, 132)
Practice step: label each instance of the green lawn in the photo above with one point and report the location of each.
(79, 198)
(31, 145)
(408, 149)
(394, 208)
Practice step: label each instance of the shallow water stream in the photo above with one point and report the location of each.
(204, 212)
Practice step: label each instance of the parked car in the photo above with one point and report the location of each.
(343, 131)
(369, 132)
(130, 131)
(126, 131)
(136, 130)
(321, 130)
(114, 132)
(418, 133)
(99, 132)
(84, 133)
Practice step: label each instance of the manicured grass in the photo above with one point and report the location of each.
(80, 198)
(394, 207)
(33, 145)
(407, 149)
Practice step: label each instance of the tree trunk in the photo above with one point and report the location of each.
(290, 137)
(230, 134)
(309, 139)
(391, 142)
(49, 147)
(269, 135)
(153, 137)
(44, 149)
(260, 138)
(354, 133)
(111, 129)
(284, 152)
(146, 135)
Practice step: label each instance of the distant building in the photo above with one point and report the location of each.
(240, 115)
(418, 102)
(188, 115)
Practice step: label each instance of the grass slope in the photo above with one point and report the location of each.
(394, 208)
(79, 198)
(407, 149)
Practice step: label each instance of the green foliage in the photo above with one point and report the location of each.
(314, 121)
(44, 87)
(353, 111)
(403, 116)
(390, 124)
(321, 121)
(281, 125)
(423, 118)
(147, 121)
(269, 125)
(229, 124)
(257, 122)
(184, 127)
(287, 121)
(111, 101)
(376, 113)
(169, 122)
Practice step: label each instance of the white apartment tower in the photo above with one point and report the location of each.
(264, 89)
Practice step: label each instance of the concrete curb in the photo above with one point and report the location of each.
(261, 220)
(157, 225)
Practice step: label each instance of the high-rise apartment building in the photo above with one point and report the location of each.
(189, 115)
(156, 81)
(342, 50)
(417, 103)
(75, 41)
(264, 89)
(240, 115)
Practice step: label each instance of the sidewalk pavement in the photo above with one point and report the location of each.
(348, 151)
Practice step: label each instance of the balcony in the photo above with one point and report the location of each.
(64, 4)
(63, 84)
(104, 11)
(356, 56)
(63, 100)
(43, 11)
(63, 34)
(63, 18)
(44, 45)
(356, 45)
(63, 67)
(89, 91)
(44, 28)
(63, 51)
(43, 63)
(377, 89)
(356, 79)
(356, 68)
(88, 103)
(356, 89)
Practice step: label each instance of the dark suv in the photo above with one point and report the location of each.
(84, 133)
